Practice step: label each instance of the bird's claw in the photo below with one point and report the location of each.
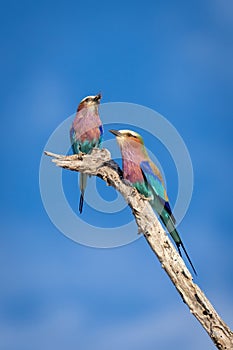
(80, 155)
(146, 198)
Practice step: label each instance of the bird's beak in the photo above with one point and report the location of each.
(98, 98)
(115, 132)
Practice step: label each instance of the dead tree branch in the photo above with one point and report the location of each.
(99, 163)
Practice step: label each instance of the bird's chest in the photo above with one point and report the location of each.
(132, 172)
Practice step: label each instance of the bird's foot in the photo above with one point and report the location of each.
(126, 182)
(80, 155)
(146, 198)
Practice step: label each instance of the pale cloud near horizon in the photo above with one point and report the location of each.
(57, 318)
(65, 326)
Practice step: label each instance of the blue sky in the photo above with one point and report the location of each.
(172, 56)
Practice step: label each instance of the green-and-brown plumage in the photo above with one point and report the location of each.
(143, 174)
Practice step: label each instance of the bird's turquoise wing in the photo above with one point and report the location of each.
(74, 143)
(153, 180)
(155, 183)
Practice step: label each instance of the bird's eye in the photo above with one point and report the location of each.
(131, 135)
(88, 100)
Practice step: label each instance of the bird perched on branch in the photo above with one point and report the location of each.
(143, 174)
(86, 133)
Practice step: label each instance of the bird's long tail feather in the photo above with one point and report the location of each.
(175, 235)
(187, 256)
(82, 186)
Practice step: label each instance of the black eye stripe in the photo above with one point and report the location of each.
(131, 135)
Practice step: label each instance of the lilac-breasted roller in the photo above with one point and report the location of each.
(86, 133)
(143, 174)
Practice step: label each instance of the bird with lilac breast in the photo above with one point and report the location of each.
(144, 175)
(86, 133)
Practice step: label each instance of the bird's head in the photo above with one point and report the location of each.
(123, 136)
(90, 101)
(131, 146)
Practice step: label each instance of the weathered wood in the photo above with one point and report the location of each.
(99, 163)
